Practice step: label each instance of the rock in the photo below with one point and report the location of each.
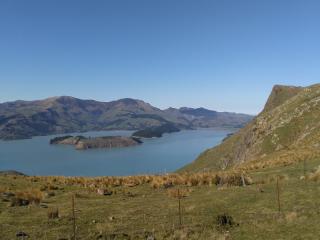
(168, 185)
(21, 235)
(131, 184)
(8, 194)
(50, 194)
(16, 202)
(130, 194)
(104, 192)
(111, 218)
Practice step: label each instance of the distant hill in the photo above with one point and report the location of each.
(287, 130)
(204, 118)
(56, 115)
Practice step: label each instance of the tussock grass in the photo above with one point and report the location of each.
(34, 196)
(31, 196)
(280, 158)
(228, 178)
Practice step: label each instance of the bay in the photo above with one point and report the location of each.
(155, 156)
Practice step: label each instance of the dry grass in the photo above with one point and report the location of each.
(157, 210)
(280, 158)
(53, 213)
(227, 178)
(178, 193)
(3, 189)
(314, 176)
(32, 196)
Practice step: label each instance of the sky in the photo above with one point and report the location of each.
(224, 55)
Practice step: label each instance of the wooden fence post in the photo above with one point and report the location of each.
(179, 199)
(278, 195)
(73, 217)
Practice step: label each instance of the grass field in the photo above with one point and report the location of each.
(145, 212)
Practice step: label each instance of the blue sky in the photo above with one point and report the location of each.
(220, 54)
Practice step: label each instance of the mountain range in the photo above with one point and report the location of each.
(286, 131)
(56, 115)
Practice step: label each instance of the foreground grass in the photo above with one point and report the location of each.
(142, 211)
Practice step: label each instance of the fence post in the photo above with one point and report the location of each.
(73, 217)
(243, 180)
(179, 198)
(278, 195)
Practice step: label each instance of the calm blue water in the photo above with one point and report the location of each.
(37, 157)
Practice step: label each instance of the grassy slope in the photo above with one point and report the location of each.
(152, 210)
(289, 123)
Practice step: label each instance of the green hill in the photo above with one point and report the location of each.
(287, 130)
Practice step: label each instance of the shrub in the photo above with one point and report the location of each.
(224, 221)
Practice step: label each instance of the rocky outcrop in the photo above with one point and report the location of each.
(279, 95)
(83, 143)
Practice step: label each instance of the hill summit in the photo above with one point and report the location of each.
(56, 115)
(287, 130)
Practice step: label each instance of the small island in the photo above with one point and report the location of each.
(156, 132)
(83, 143)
